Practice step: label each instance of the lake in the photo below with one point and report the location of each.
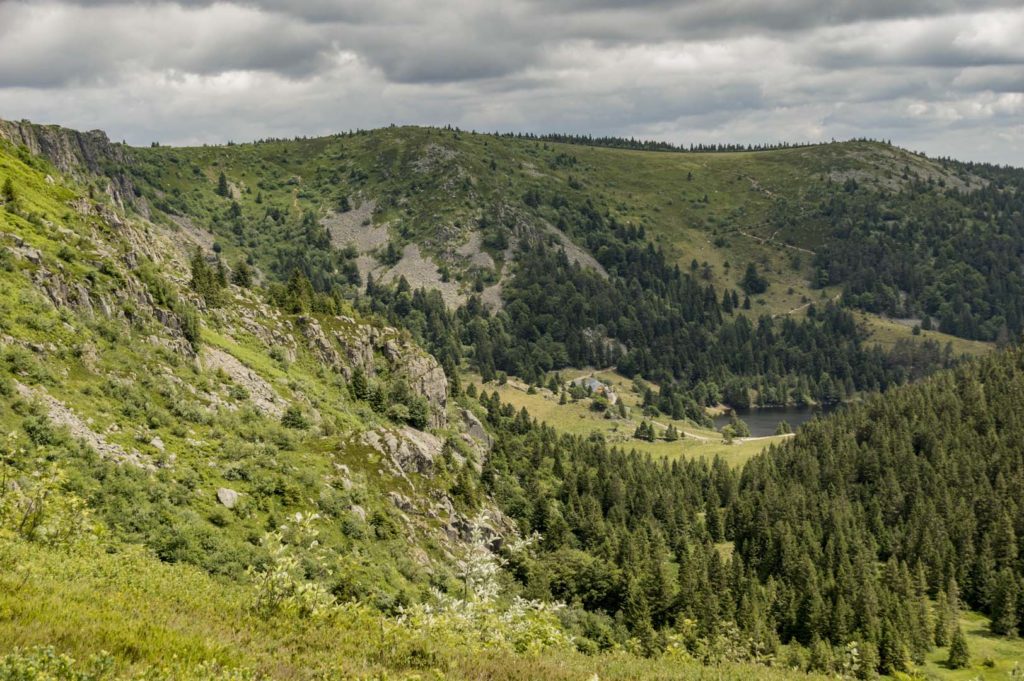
(764, 420)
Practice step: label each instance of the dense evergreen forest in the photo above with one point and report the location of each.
(649, 318)
(946, 256)
(875, 526)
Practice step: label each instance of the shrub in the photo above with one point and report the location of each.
(294, 418)
(10, 196)
(281, 584)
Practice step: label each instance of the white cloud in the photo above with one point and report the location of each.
(928, 74)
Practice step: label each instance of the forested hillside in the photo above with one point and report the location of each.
(241, 445)
(537, 256)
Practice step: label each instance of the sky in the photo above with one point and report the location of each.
(938, 76)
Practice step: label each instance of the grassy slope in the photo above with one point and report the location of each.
(885, 332)
(119, 379)
(146, 613)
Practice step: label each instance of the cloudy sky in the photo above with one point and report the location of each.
(939, 76)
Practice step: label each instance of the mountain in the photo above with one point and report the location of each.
(252, 392)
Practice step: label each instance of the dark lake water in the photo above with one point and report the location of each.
(764, 420)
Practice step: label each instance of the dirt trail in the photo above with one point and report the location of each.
(771, 240)
(834, 299)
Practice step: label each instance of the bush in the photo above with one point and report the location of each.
(294, 418)
(281, 584)
(10, 196)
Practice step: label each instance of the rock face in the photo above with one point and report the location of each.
(410, 450)
(358, 347)
(425, 377)
(260, 392)
(318, 343)
(75, 153)
(475, 429)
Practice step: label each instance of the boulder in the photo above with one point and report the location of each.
(228, 497)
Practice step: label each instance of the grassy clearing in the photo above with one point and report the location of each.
(1004, 654)
(886, 332)
(578, 419)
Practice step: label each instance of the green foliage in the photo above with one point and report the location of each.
(884, 252)
(34, 504)
(45, 664)
(959, 655)
(222, 185)
(282, 584)
(294, 418)
(242, 275)
(739, 427)
(753, 283)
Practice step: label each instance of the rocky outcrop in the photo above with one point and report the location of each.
(260, 392)
(264, 323)
(475, 429)
(318, 343)
(408, 449)
(76, 153)
(358, 345)
(62, 415)
(424, 375)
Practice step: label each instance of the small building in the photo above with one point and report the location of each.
(596, 387)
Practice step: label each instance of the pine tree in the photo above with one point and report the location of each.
(10, 196)
(959, 655)
(222, 185)
(713, 517)
(220, 273)
(942, 620)
(753, 283)
(637, 614)
(242, 274)
(892, 651)
(1003, 603)
(358, 385)
(644, 431)
(205, 280)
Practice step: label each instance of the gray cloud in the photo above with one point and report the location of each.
(943, 76)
